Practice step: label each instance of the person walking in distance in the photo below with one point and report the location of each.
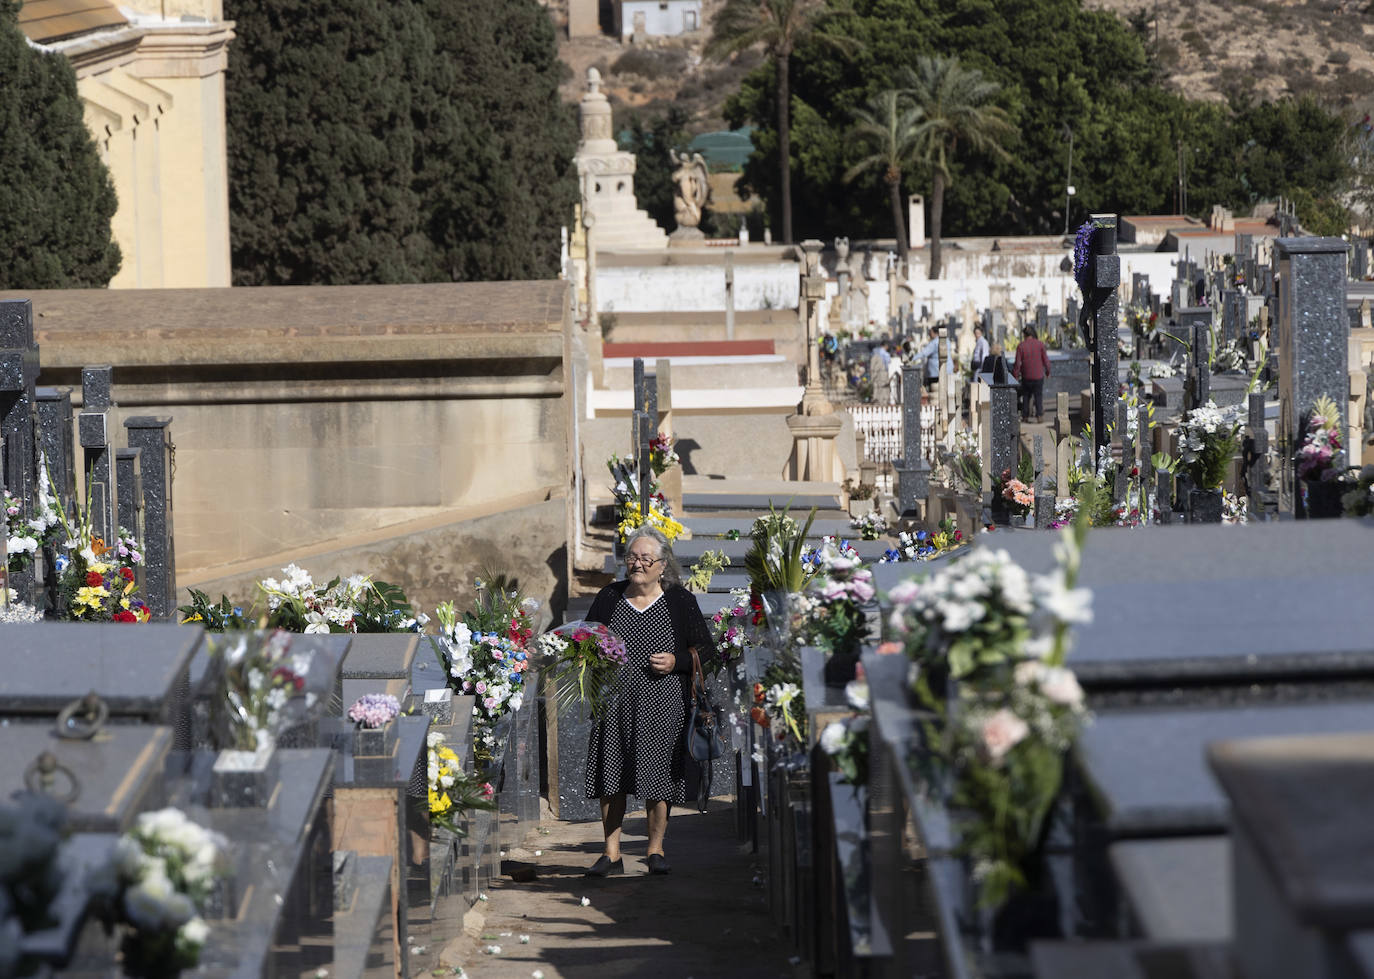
(1031, 368)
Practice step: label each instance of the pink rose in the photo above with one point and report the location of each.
(1002, 732)
(481, 686)
(489, 703)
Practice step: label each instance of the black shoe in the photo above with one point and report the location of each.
(658, 864)
(605, 867)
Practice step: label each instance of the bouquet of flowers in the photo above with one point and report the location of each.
(501, 607)
(965, 462)
(262, 686)
(1231, 357)
(1208, 437)
(24, 535)
(924, 545)
(780, 708)
(662, 456)
(632, 518)
(846, 740)
(817, 559)
(95, 580)
(374, 710)
(453, 791)
(156, 883)
(352, 604)
(1018, 496)
(487, 665)
(1359, 500)
(1003, 634)
(834, 616)
(870, 525)
(1234, 509)
(1321, 456)
(1162, 370)
(1065, 511)
(734, 627)
(583, 658)
(211, 616)
(704, 569)
(774, 560)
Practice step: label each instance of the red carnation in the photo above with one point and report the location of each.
(94, 580)
(123, 615)
(127, 574)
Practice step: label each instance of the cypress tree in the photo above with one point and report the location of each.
(56, 198)
(321, 142)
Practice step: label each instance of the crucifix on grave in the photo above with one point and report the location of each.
(815, 425)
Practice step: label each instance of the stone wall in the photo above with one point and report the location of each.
(312, 419)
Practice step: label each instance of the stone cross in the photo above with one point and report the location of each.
(18, 378)
(97, 442)
(814, 401)
(1313, 346)
(729, 295)
(1105, 273)
(151, 435)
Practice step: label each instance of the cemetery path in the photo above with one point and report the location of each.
(708, 918)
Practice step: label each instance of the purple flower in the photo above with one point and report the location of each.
(374, 710)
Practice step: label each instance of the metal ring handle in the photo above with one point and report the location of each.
(41, 776)
(82, 719)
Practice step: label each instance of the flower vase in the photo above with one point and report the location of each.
(1028, 520)
(1322, 499)
(840, 667)
(245, 779)
(1204, 506)
(1026, 916)
(373, 741)
(857, 508)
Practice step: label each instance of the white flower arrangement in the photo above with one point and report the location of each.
(1162, 370)
(870, 525)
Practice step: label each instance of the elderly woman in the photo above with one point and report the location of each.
(638, 744)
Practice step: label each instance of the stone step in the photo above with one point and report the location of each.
(710, 528)
(688, 551)
(795, 502)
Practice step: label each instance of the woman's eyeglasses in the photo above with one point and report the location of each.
(647, 562)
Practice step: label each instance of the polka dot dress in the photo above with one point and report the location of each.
(638, 746)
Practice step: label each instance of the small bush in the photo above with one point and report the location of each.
(652, 64)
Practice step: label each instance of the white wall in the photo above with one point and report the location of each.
(696, 288)
(660, 19)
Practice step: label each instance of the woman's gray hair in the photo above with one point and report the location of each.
(672, 572)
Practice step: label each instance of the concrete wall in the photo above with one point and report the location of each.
(315, 418)
(653, 288)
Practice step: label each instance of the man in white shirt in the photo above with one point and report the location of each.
(980, 348)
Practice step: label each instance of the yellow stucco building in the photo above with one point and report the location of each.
(151, 78)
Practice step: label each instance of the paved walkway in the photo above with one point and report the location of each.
(709, 918)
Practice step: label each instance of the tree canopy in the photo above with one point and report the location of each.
(403, 141)
(56, 198)
(1057, 65)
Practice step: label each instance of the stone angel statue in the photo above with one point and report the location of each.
(691, 190)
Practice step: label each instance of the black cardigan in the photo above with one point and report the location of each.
(689, 625)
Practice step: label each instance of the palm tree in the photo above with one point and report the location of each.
(955, 105)
(892, 124)
(779, 26)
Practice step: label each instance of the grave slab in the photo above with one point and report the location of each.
(1179, 889)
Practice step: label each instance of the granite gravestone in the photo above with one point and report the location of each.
(912, 469)
(1005, 424)
(1313, 347)
(95, 430)
(18, 379)
(1105, 273)
(151, 435)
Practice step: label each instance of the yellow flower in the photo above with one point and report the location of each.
(86, 595)
(97, 567)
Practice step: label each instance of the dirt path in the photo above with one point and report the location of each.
(708, 918)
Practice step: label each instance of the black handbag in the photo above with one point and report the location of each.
(708, 737)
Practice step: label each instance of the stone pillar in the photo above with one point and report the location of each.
(129, 479)
(1044, 500)
(56, 445)
(814, 401)
(891, 288)
(813, 448)
(912, 469)
(729, 295)
(18, 376)
(151, 434)
(94, 428)
(670, 484)
(1106, 278)
(916, 220)
(842, 274)
(1005, 427)
(1313, 346)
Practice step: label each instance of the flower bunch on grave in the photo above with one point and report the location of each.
(831, 612)
(779, 705)
(846, 740)
(775, 556)
(1234, 509)
(662, 455)
(734, 627)
(263, 687)
(500, 606)
(831, 548)
(24, 535)
(1082, 252)
(632, 518)
(870, 525)
(965, 462)
(704, 569)
(488, 666)
(586, 658)
(1162, 370)
(1229, 357)
(345, 604)
(1321, 457)
(156, 884)
(95, 580)
(1359, 500)
(374, 710)
(1065, 511)
(923, 545)
(453, 791)
(1208, 437)
(1000, 732)
(219, 616)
